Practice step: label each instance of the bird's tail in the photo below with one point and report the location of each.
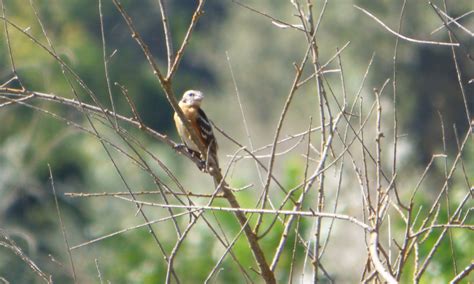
(212, 159)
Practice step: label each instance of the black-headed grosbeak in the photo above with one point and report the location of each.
(190, 104)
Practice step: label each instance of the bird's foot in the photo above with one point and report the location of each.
(202, 166)
(183, 146)
(180, 146)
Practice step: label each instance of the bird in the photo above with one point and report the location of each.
(190, 104)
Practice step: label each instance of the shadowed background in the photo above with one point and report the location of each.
(261, 56)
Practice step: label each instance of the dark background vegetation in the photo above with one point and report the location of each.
(262, 57)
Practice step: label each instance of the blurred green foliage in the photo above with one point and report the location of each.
(261, 56)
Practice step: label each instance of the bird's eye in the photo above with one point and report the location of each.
(191, 94)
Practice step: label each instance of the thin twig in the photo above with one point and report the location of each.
(61, 224)
(402, 36)
(244, 119)
(99, 274)
(285, 234)
(106, 61)
(271, 163)
(91, 123)
(148, 223)
(434, 248)
(138, 193)
(463, 274)
(451, 20)
(179, 54)
(252, 210)
(167, 32)
(8, 243)
(10, 51)
(277, 22)
(374, 243)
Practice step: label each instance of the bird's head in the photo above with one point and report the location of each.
(192, 98)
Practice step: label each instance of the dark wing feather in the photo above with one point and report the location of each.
(205, 127)
(207, 135)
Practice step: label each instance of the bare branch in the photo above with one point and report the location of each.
(402, 36)
(259, 211)
(61, 224)
(374, 256)
(463, 274)
(8, 243)
(167, 32)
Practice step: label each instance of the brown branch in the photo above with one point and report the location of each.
(148, 223)
(179, 54)
(97, 110)
(8, 243)
(61, 225)
(146, 192)
(463, 274)
(167, 32)
(164, 81)
(374, 243)
(267, 274)
(311, 213)
(402, 36)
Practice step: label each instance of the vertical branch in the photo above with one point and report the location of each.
(368, 167)
(252, 238)
(64, 68)
(394, 86)
(61, 225)
(298, 205)
(344, 140)
(448, 205)
(266, 273)
(320, 197)
(321, 179)
(378, 137)
(310, 34)
(166, 81)
(10, 244)
(7, 39)
(458, 71)
(395, 109)
(99, 274)
(228, 249)
(294, 87)
(179, 54)
(448, 178)
(244, 119)
(106, 61)
(373, 248)
(381, 196)
(293, 254)
(365, 171)
(167, 32)
(419, 273)
(192, 222)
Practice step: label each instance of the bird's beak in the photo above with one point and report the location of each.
(198, 97)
